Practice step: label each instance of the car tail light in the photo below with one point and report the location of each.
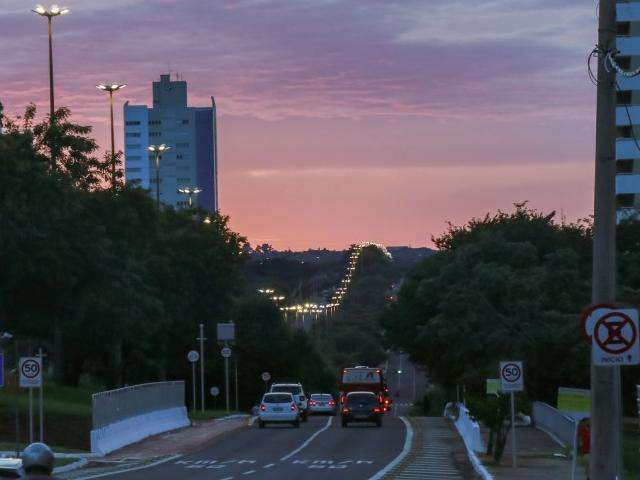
(312, 403)
(376, 410)
(345, 410)
(332, 403)
(263, 407)
(293, 407)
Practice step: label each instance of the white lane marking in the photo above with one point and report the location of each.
(308, 441)
(133, 469)
(248, 472)
(227, 478)
(408, 439)
(269, 465)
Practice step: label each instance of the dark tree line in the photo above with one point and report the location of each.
(509, 286)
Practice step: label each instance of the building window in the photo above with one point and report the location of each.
(623, 97)
(624, 131)
(133, 170)
(132, 145)
(155, 134)
(133, 158)
(178, 156)
(185, 121)
(182, 145)
(133, 134)
(132, 122)
(624, 165)
(183, 180)
(155, 122)
(623, 28)
(625, 200)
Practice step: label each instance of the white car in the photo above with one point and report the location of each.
(299, 396)
(322, 403)
(278, 408)
(10, 468)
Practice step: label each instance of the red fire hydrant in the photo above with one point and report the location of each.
(584, 437)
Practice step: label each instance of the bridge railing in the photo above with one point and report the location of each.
(128, 415)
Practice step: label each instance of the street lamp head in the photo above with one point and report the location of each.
(158, 148)
(110, 87)
(53, 11)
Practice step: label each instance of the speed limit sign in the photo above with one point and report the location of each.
(30, 372)
(511, 376)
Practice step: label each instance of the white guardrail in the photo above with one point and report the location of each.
(131, 414)
(560, 426)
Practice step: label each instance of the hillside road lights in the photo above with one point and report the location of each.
(189, 192)
(110, 88)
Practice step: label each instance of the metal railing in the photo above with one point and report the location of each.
(553, 421)
(115, 405)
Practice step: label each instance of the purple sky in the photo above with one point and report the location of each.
(343, 121)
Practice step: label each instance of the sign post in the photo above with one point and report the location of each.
(214, 391)
(30, 369)
(614, 337)
(226, 353)
(193, 357)
(493, 386)
(511, 380)
(577, 403)
(266, 376)
(1, 370)
(41, 355)
(201, 339)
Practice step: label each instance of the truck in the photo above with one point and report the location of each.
(364, 379)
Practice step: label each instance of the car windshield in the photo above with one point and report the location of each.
(277, 398)
(361, 399)
(295, 390)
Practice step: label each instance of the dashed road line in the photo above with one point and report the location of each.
(269, 465)
(248, 472)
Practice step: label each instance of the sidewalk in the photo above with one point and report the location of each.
(159, 448)
(535, 458)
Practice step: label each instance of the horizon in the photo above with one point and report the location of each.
(324, 105)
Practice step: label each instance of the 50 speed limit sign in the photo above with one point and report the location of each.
(511, 376)
(30, 372)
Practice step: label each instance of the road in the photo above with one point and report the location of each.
(320, 448)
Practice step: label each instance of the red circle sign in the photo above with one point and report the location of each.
(587, 313)
(30, 369)
(620, 333)
(511, 373)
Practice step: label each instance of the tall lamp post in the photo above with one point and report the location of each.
(157, 151)
(112, 87)
(53, 11)
(190, 192)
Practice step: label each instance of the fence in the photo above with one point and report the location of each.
(128, 415)
(115, 405)
(559, 425)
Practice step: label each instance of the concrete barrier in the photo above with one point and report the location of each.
(129, 415)
(469, 430)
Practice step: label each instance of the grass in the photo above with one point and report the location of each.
(67, 412)
(631, 451)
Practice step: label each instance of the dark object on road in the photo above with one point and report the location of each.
(37, 462)
(362, 407)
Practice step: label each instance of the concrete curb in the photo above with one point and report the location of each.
(408, 442)
(72, 466)
(475, 461)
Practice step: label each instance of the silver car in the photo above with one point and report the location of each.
(322, 403)
(278, 408)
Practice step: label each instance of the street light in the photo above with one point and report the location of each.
(190, 192)
(53, 11)
(157, 150)
(111, 87)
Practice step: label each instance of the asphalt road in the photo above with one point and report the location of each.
(320, 448)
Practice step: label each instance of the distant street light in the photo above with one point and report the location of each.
(157, 151)
(190, 192)
(112, 87)
(53, 11)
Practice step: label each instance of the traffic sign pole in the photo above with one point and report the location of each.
(202, 366)
(226, 378)
(193, 386)
(513, 429)
(41, 399)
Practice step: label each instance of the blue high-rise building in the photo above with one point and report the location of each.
(191, 132)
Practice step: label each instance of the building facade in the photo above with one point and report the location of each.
(628, 111)
(190, 132)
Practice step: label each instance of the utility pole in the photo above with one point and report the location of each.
(605, 381)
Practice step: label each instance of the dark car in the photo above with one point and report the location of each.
(362, 407)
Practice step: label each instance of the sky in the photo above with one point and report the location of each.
(342, 121)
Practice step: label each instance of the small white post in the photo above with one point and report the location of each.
(30, 415)
(193, 386)
(41, 400)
